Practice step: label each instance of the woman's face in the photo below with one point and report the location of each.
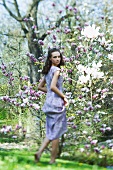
(55, 58)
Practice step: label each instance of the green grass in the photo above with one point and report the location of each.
(24, 160)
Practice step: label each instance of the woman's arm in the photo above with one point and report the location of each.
(41, 85)
(55, 89)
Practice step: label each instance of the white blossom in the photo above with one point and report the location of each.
(83, 79)
(36, 106)
(90, 31)
(110, 56)
(25, 100)
(103, 41)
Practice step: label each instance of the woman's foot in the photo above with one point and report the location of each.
(37, 157)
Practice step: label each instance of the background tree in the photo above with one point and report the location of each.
(32, 30)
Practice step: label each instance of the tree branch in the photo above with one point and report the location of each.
(62, 19)
(11, 35)
(56, 25)
(9, 11)
(18, 18)
(36, 2)
(17, 9)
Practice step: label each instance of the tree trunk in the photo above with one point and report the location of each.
(34, 47)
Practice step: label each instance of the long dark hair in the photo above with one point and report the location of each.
(48, 62)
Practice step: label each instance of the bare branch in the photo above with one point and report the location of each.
(62, 19)
(11, 35)
(18, 18)
(17, 9)
(12, 14)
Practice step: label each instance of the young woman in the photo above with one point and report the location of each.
(54, 106)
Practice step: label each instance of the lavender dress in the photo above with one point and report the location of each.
(56, 123)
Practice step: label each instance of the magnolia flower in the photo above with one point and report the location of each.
(81, 68)
(6, 129)
(103, 41)
(36, 106)
(108, 128)
(31, 19)
(25, 100)
(94, 142)
(82, 149)
(23, 105)
(90, 31)
(84, 79)
(110, 56)
(102, 130)
(96, 149)
(85, 132)
(97, 65)
(87, 146)
(97, 74)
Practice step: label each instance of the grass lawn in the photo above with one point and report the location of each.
(24, 160)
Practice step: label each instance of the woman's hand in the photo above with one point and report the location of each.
(66, 103)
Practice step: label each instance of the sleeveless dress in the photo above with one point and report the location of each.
(56, 123)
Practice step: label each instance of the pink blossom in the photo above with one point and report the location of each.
(54, 37)
(40, 42)
(85, 109)
(67, 7)
(18, 127)
(75, 10)
(88, 123)
(53, 4)
(47, 18)
(94, 142)
(60, 11)
(70, 8)
(103, 125)
(102, 147)
(48, 32)
(95, 96)
(91, 108)
(87, 146)
(74, 126)
(96, 149)
(26, 19)
(102, 130)
(79, 112)
(36, 106)
(23, 105)
(90, 138)
(104, 90)
(108, 128)
(34, 27)
(58, 30)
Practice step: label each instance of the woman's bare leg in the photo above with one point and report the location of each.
(54, 151)
(41, 149)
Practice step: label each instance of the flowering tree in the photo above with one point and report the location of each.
(88, 54)
(32, 30)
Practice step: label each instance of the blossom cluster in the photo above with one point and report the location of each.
(86, 73)
(6, 129)
(7, 73)
(32, 57)
(24, 98)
